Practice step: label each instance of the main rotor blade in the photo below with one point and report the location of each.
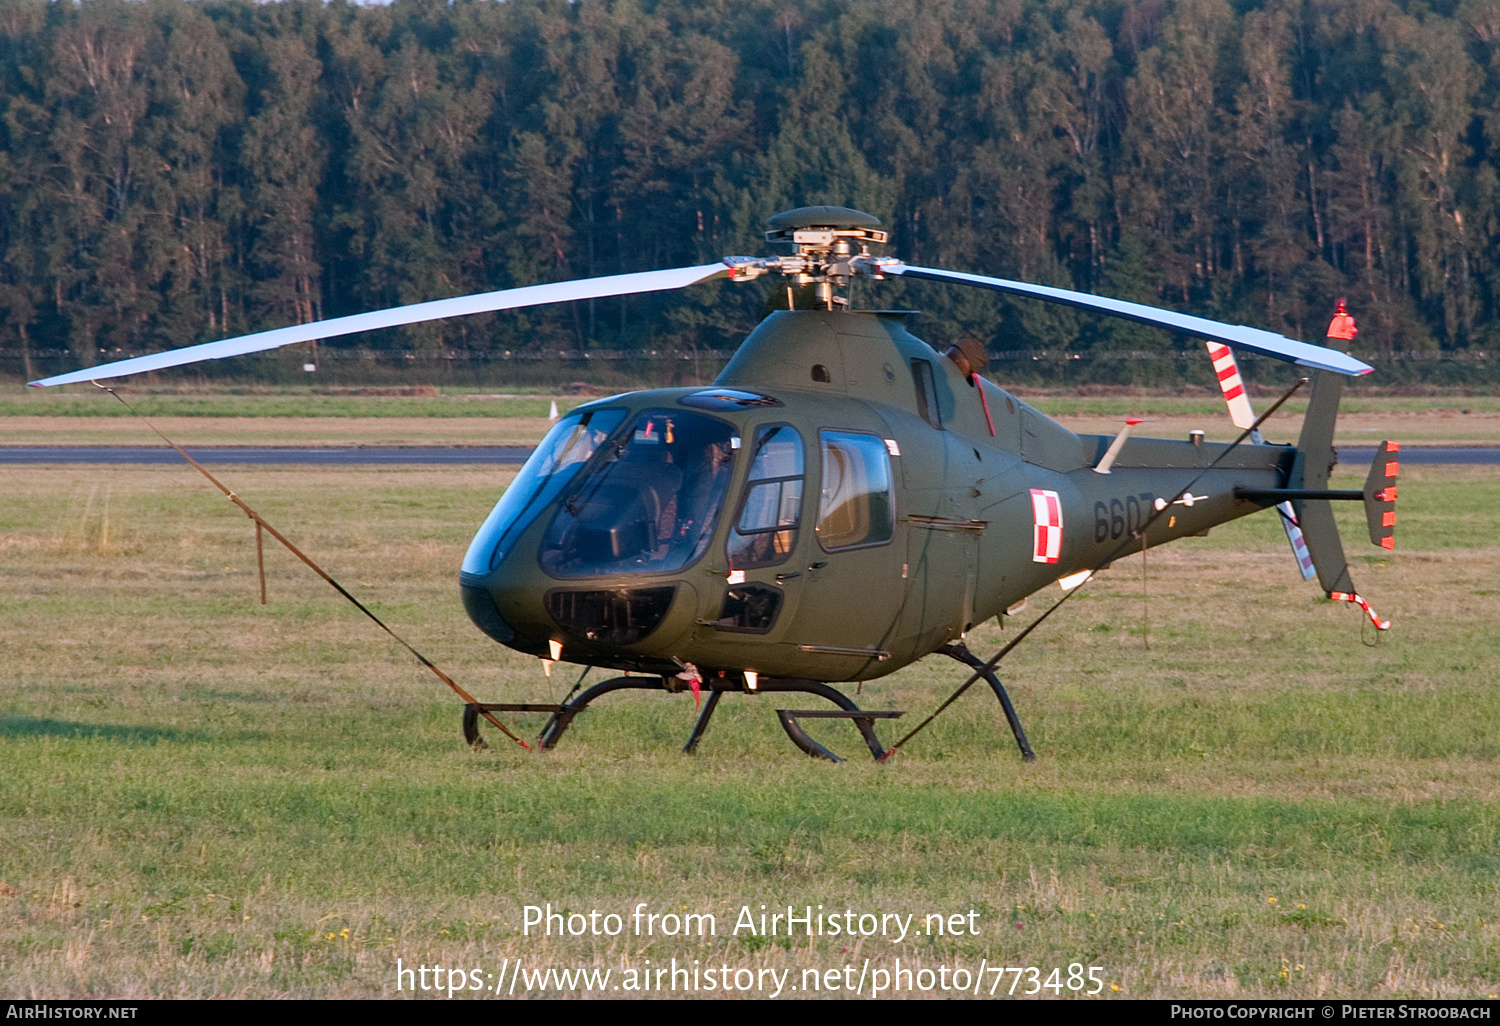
(505, 299)
(1254, 339)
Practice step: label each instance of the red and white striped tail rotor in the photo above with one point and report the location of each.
(1299, 543)
(1227, 369)
(1233, 386)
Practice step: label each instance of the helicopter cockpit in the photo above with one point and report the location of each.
(624, 496)
(649, 504)
(630, 486)
(627, 491)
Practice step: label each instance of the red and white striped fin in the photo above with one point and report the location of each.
(1228, 372)
(1355, 597)
(1299, 543)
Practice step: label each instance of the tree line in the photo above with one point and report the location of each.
(175, 172)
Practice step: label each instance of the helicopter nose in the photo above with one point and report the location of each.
(480, 605)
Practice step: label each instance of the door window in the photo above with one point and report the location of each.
(854, 508)
(765, 531)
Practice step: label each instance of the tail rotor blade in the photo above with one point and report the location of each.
(1299, 544)
(1227, 370)
(505, 299)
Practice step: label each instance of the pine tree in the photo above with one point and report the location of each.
(284, 158)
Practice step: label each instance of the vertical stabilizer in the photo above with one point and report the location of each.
(1317, 459)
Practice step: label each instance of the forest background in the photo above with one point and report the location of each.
(175, 172)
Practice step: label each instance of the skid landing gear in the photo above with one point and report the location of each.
(715, 687)
(969, 659)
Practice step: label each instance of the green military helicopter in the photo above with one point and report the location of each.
(844, 500)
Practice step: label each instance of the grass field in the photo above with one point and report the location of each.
(201, 796)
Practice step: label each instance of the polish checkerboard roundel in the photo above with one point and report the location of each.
(1046, 511)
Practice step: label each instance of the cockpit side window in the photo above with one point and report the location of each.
(765, 532)
(854, 507)
(651, 505)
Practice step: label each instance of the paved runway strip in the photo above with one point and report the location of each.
(509, 454)
(344, 456)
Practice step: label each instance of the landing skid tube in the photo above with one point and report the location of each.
(562, 715)
(961, 652)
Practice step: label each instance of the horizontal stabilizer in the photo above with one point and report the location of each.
(1380, 496)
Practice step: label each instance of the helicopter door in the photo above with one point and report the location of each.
(851, 592)
(942, 553)
(761, 594)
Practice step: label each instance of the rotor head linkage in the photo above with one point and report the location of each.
(831, 246)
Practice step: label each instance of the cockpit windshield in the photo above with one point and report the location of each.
(648, 507)
(567, 447)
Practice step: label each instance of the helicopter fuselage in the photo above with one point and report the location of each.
(838, 504)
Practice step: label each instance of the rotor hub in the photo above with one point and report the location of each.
(831, 245)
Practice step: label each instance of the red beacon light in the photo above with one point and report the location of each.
(1342, 325)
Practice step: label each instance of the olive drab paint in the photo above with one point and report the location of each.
(844, 499)
(965, 539)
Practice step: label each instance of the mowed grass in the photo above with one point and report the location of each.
(203, 796)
